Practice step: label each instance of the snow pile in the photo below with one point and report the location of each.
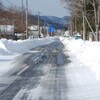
(3, 50)
(86, 52)
(21, 46)
(10, 49)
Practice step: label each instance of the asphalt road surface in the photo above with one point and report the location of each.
(43, 77)
(47, 76)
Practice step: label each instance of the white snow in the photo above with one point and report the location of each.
(88, 53)
(85, 61)
(84, 56)
(8, 29)
(22, 46)
(9, 49)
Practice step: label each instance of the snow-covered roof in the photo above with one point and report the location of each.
(8, 29)
(34, 28)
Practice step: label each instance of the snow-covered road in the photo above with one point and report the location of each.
(43, 77)
(48, 73)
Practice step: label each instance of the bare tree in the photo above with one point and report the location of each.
(80, 9)
(96, 6)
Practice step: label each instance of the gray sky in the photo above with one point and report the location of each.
(46, 7)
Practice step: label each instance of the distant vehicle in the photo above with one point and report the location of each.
(78, 36)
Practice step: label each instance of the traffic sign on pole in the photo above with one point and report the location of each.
(51, 29)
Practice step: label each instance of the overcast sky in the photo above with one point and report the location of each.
(46, 7)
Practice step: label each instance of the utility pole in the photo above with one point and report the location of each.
(22, 13)
(98, 22)
(90, 28)
(38, 24)
(75, 25)
(83, 14)
(26, 19)
(70, 28)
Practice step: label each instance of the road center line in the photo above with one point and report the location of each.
(22, 70)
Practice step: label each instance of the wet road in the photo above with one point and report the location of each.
(48, 74)
(43, 77)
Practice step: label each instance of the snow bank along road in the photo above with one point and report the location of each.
(48, 74)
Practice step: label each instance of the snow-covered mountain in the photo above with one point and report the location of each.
(64, 20)
(56, 21)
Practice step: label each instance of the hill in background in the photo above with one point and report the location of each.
(56, 21)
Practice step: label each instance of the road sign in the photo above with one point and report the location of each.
(51, 29)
